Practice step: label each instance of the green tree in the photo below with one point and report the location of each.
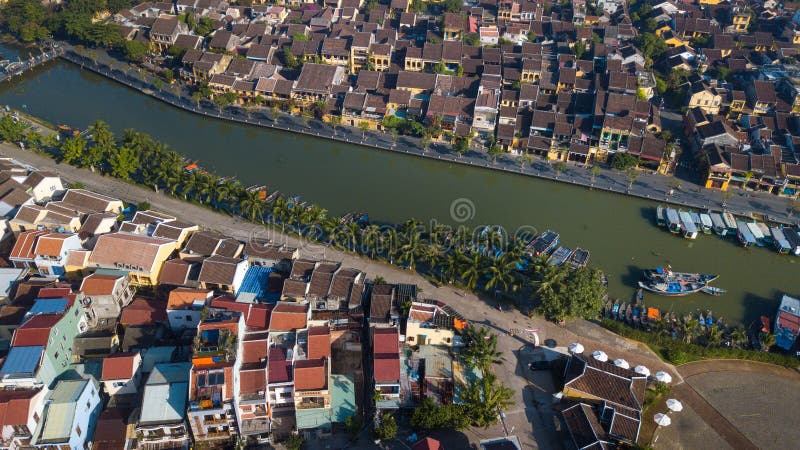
(335, 121)
(251, 205)
(494, 152)
(363, 126)
(578, 49)
(72, 149)
(294, 442)
(485, 398)
(559, 166)
(452, 6)
(387, 428)
(501, 274)
(564, 295)
(353, 423)
(623, 161)
(197, 96)
(460, 146)
(24, 19)
(289, 60)
(631, 175)
(11, 130)
(204, 27)
(480, 349)
(124, 162)
(471, 39)
(430, 416)
(134, 51)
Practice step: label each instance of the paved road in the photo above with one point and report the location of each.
(529, 399)
(647, 186)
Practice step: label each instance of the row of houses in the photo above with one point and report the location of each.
(505, 72)
(123, 329)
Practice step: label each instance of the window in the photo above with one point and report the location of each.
(117, 384)
(55, 356)
(188, 318)
(78, 430)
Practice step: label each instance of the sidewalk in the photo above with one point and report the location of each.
(647, 186)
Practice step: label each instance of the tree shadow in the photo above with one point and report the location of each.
(451, 439)
(631, 276)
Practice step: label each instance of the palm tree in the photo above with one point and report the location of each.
(370, 239)
(411, 248)
(473, 268)
(713, 337)
(551, 280)
(452, 265)
(688, 328)
(738, 336)
(251, 205)
(481, 348)
(425, 141)
(631, 175)
(501, 274)
(274, 111)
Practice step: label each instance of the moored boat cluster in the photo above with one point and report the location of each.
(689, 224)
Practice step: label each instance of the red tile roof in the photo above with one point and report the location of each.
(319, 342)
(35, 331)
(258, 317)
(254, 351)
(427, 444)
(97, 284)
(183, 297)
(26, 242)
(54, 292)
(51, 244)
(288, 316)
(144, 312)
(386, 354)
(120, 366)
(15, 406)
(310, 375)
(279, 370)
(252, 381)
(385, 340)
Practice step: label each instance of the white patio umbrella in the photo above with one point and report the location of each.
(674, 405)
(576, 347)
(662, 420)
(622, 363)
(600, 355)
(642, 370)
(663, 377)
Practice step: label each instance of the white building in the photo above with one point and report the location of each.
(50, 255)
(43, 186)
(69, 415)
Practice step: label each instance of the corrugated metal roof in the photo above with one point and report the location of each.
(164, 403)
(58, 419)
(49, 306)
(313, 418)
(22, 360)
(255, 281)
(343, 397)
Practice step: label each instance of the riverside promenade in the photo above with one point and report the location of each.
(647, 185)
(11, 69)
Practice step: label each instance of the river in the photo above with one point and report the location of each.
(619, 231)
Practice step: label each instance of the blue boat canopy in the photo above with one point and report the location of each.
(659, 270)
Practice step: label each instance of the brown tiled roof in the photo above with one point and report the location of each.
(583, 427)
(253, 378)
(356, 295)
(203, 243)
(381, 301)
(171, 230)
(302, 268)
(219, 270)
(294, 288)
(143, 311)
(317, 78)
(177, 272)
(51, 244)
(321, 279)
(127, 250)
(87, 201)
(605, 381)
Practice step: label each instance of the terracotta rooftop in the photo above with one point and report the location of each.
(288, 316)
(182, 298)
(99, 284)
(36, 331)
(15, 407)
(319, 342)
(143, 311)
(26, 242)
(119, 366)
(51, 244)
(310, 375)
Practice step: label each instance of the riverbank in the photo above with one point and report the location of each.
(647, 186)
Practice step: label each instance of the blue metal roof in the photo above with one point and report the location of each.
(255, 281)
(49, 306)
(22, 360)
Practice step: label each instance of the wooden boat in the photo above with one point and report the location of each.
(559, 256)
(712, 290)
(661, 220)
(672, 289)
(793, 239)
(673, 221)
(578, 258)
(706, 224)
(718, 224)
(755, 230)
(730, 221)
(744, 235)
(666, 275)
(544, 243)
(689, 229)
(779, 241)
(767, 239)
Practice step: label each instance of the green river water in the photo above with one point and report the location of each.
(619, 231)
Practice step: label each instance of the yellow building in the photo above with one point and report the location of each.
(706, 99)
(741, 20)
(431, 324)
(142, 256)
